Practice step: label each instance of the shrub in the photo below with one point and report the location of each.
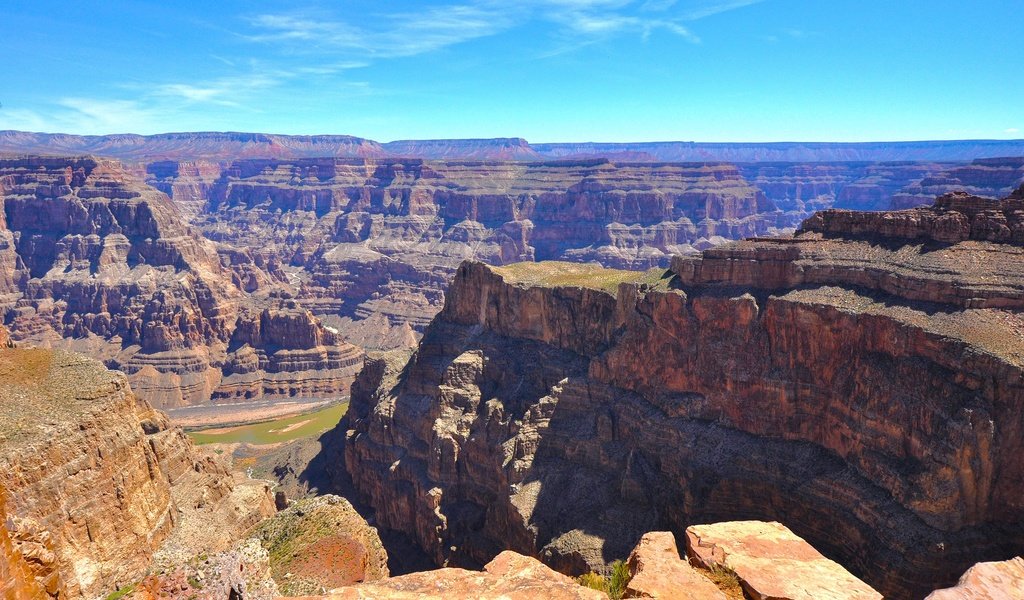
(614, 585)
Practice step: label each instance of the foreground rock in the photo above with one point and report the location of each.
(509, 576)
(861, 381)
(988, 581)
(772, 562)
(657, 571)
(95, 479)
(241, 572)
(320, 544)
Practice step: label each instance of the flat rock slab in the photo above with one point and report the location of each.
(657, 571)
(987, 581)
(510, 576)
(773, 563)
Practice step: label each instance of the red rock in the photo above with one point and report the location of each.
(772, 563)
(95, 479)
(988, 581)
(96, 261)
(865, 387)
(509, 576)
(657, 571)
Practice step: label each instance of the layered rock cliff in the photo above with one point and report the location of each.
(992, 178)
(92, 476)
(383, 237)
(861, 382)
(94, 260)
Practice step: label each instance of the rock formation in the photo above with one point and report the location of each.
(861, 381)
(188, 183)
(216, 146)
(241, 572)
(815, 186)
(657, 571)
(987, 581)
(509, 576)
(94, 260)
(773, 563)
(383, 237)
(319, 544)
(94, 479)
(206, 146)
(990, 177)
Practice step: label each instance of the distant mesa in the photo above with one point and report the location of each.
(230, 146)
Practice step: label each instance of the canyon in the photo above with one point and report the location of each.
(860, 381)
(96, 261)
(211, 275)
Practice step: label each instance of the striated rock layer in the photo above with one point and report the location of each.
(91, 474)
(91, 259)
(383, 237)
(861, 382)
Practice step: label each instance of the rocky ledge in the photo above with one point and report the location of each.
(861, 381)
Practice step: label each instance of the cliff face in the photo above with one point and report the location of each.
(94, 260)
(861, 382)
(992, 178)
(383, 237)
(90, 473)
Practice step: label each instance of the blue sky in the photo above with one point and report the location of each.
(546, 70)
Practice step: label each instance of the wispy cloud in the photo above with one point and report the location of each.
(405, 34)
(1012, 130)
(399, 34)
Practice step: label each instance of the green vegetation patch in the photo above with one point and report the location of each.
(566, 274)
(613, 584)
(121, 593)
(284, 429)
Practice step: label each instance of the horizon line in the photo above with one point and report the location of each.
(496, 138)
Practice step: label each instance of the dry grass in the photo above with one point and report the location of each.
(24, 367)
(614, 585)
(565, 274)
(726, 580)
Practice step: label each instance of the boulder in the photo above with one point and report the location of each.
(773, 563)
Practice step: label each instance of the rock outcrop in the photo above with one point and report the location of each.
(861, 381)
(95, 479)
(187, 182)
(772, 563)
(319, 544)
(657, 571)
(987, 581)
(93, 260)
(509, 576)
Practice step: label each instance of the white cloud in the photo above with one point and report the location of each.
(405, 34)
(1012, 130)
(399, 34)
